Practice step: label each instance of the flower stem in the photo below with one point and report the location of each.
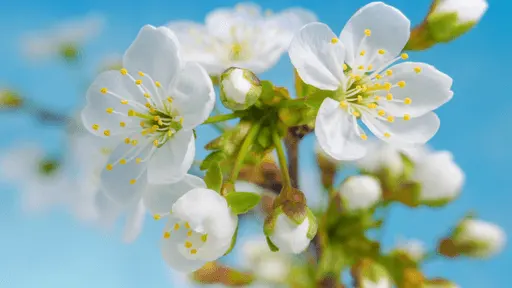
(292, 103)
(282, 160)
(222, 118)
(249, 140)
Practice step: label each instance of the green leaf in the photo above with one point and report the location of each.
(233, 241)
(272, 246)
(213, 177)
(212, 158)
(242, 202)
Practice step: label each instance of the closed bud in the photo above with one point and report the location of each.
(239, 88)
(370, 274)
(360, 192)
(413, 250)
(477, 238)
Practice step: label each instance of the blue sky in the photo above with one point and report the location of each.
(54, 250)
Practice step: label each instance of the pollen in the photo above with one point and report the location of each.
(204, 237)
(401, 84)
(147, 95)
(387, 135)
(407, 101)
(167, 235)
(355, 113)
(343, 104)
(138, 160)
(156, 118)
(155, 143)
(372, 105)
(148, 105)
(382, 51)
(368, 32)
(123, 71)
(389, 72)
(131, 113)
(189, 233)
(359, 98)
(106, 133)
(158, 84)
(363, 52)
(391, 119)
(133, 181)
(109, 167)
(334, 40)
(169, 99)
(388, 86)
(364, 137)
(378, 76)
(193, 251)
(417, 69)
(134, 142)
(122, 161)
(389, 97)
(407, 117)
(124, 102)
(103, 90)
(361, 67)
(370, 67)
(109, 110)
(154, 128)
(345, 67)
(127, 140)
(95, 127)
(404, 56)
(138, 82)
(381, 112)
(377, 98)
(122, 124)
(176, 226)
(141, 74)
(157, 217)
(187, 225)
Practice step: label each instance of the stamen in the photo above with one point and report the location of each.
(141, 74)
(389, 97)
(138, 82)
(127, 140)
(334, 40)
(122, 124)
(343, 104)
(176, 226)
(123, 71)
(204, 237)
(345, 67)
(382, 51)
(193, 251)
(387, 135)
(133, 181)
(104, 90)
(122, 161)
(363, 136)
(401, 84)
(188, 244)
(157, 217)
(368, 32)
(417, 70)
(158, 84)
(391, 119)
(124, 102)
(407, 117)
(381, 112)
(138, 160)
(404, 56)
(106, 133)
(95, 127)
(134, 142)
(167, 235)
(407, 101)
(109, 167)
(389, 73)
(363, 52)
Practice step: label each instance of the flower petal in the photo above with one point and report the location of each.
(414, 131)
(159, 198)
(117, 182)
(223, 23)
(134, 222)
(289, 22)
(390, 31)
(171, 162)
(318, 61)
(427, 89)
(193, 95)
(155, 52)
(335, 132)
(290, 237)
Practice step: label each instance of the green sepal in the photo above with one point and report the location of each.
(242, 202)
(313, 224)
(212, 158)
(233, 241)
(332, 261)
(445, 27)
(437, 203)
(294, 206)
(271, 245)
(408, 193)
(265, 137)
(315, 100)
(213, 177)
(270, 221)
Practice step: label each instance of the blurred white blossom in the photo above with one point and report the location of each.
(267, 266)
(360, 192)
(289, 236)
(413, 248)
(382, 157)
(241, 37)
(478, 238)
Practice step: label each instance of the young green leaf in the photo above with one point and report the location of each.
(272, 246)
(213, 177)
(242, 202)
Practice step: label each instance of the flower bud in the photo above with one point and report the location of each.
(439, 177)
(265, 264)
(10, 99)
(370, 274)
(414, 250)
(239, 88)
(360, 192)
(477, 238)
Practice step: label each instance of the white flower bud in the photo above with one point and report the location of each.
(360, 192)
(287, 235)
(240, 88)
(439, 177)
(413, 249)
(266, 265)
(478, 238)
(373, 275)
(381, 157)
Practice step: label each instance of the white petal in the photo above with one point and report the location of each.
(159, 198)
(193, 95)
(134, 222)
(95, 112)
(155, 52)
(428, 89)
(116, 182)
(390, 31)
(224, 22)
(414, 131)
(360, 192)
(318, 61)
(335, 132)
(171, 162)
(290, 237)
(172, 255)
(289, 22)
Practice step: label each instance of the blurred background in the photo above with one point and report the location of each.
(45, 242)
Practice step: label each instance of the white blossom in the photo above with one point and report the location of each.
(395, 103)
(382, 156)
(240, 37)
(360, 192)
(151, 108)
(484, 239)
(289, 236)
(267, 266)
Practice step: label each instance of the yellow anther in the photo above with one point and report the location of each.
(156, 118)
(109, 167)
(387, 135)
(361, 67)
(103, 90)
(363, 136)
(378, 76)
(187, 225)
(169, 99)
(189, 233)
(142, 124)
(343, 104)
(95, 127)
(134, 142)
(123, 71)
(377, 98)
(370, 67)
(181, 120)
(138, 82)
(334, 40)
(133, 181)
(417, 69)
(407, 100)
(372, 105)
(147, 95)
(345, 67)
(124, 102)
(106, 132)
(109, 110)
(193, 251)
(155, 143)
(391, 119)
(157, 217)
(407, 117)
(404, 56)
(145, 132)
(167, 235)
(356, 113)
(141, 74)
(389, 72)
(204, 237)
(158, 84)
(131, 113)
(381, 112)
(122, 124)
(359, 98)
(388, 86)
(152, 110)
(148, 105)
(401, 84)
(176, 226)
(382, 51)
(122, 161)
(169, 133)
(138, 160)
(127, 140)
(362, 53)
(368, 32)
(364, 88)
(154, 128)
(389, 97)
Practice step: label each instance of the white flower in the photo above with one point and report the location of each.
(466, 10)
(440, 178)
(289, 236)
(240, 88)
(360, 192)
(395, 103)
(151, 107)
(481, 239)
(240, 37)
(414, 249)
(200, 226)
(382, 156)
(266, 265)
(66, 37)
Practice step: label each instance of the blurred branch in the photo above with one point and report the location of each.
(215, 273)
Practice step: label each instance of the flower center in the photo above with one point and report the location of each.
(189, 241)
